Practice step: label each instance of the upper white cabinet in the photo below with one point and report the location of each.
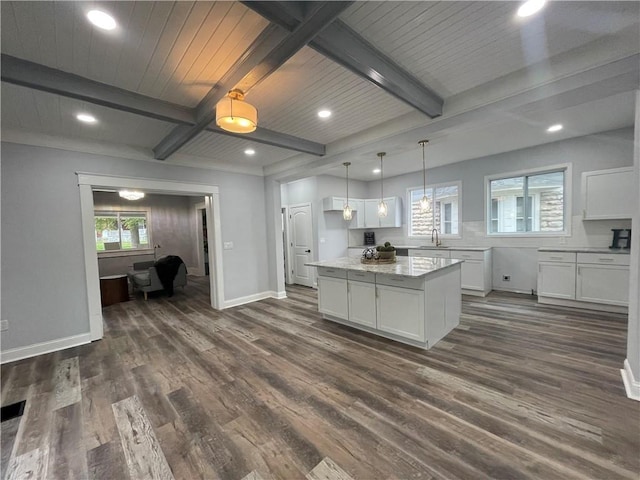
(365, 211)
(606, 194)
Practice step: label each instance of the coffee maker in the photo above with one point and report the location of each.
(621, 238)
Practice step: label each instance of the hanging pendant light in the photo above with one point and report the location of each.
(424, 201)
(382, 207)
(235, 115)
(346, 211)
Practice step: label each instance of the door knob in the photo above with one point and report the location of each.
(307, 251)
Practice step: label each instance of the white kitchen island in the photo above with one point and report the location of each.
(416, 300)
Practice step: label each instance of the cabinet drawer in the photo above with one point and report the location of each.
(331, 272)
(361, 276)
(604, 258)
(556, 256)
(429, 253)
(415, 283)
(467, 254)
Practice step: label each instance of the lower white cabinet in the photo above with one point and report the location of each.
(603, 284)
(391, 301)
(332, 297)
(362, 303)
(557, 280)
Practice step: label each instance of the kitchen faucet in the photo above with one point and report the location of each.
(438, 242)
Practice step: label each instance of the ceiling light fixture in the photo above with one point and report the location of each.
(235, 115)
(530, 7)
(555, 128)
(376, 170)
(346, 211)
(102, 20)
(382, 207)
(131, 194)
(324, 113)
(424, 201)
(86, 118)
(250, 151)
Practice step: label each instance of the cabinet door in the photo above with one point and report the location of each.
(557, 279)
(371, 219)
(401, 312)
(362, 303)
(390, 219)
(332, 297)
(606, 193)
(473, 274)
(603, 284)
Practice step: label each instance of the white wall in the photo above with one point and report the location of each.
(593, 152)
(42, 255)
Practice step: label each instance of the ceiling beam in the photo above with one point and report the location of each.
(273, 47)
(47, 79)
(346, 47)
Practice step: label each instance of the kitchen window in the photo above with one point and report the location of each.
(121, 231)
(543, 211)
(442, 214)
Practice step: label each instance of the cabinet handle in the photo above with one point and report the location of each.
(605, 259)
(555, 258)
(329, 270)
(579, 270)
(539, 268)
(465, 256)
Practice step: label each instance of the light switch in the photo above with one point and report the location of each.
(228, 245)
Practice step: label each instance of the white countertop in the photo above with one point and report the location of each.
(585, 250)
(429, 247)
(404, 266)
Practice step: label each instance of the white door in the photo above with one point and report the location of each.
(410, 322)
(362, 303)
(301, 243)
(332, 297)
(603, 284)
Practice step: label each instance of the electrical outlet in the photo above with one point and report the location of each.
(506, 278)
(4, 325)
(228, 245)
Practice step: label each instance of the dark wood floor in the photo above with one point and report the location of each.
(270, 390)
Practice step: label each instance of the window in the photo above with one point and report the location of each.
(542, 212)
(121, 231)
(442, 214)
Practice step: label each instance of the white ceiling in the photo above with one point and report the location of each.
(471, 53)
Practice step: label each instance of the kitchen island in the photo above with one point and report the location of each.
(416, 300)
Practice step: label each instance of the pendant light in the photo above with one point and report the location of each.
(382, 207)
(233, 114)
(424, 201)
(346, 211)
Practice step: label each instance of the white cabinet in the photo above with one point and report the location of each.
(357, 220)
(606, 194)
(476, 273)
(362, 303)
(371, 218)
(391, 301)
(603, 278)
(332, 296)
(331, 204)
(557, 280)
(433, 253)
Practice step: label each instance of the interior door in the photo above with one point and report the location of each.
(301, 244)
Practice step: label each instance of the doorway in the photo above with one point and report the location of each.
(301, 244)
(88, 182)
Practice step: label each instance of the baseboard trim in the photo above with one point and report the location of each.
(600, 307)
(631, 385)
(235, 302)
(21, 353)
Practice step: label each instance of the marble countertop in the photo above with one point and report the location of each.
(429, 247)
(585, 250)
(404, 266)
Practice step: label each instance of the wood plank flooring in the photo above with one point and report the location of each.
(269, 390)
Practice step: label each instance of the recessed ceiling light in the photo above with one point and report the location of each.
(102, 20)
(324, 113)
(250, 151)
(376, 170)
(86, 118)
(530, 7)
(555, 128)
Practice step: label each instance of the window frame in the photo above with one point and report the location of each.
(434, 186)
(567, 204)
(119, 211)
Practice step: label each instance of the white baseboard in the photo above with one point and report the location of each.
(234, 302)
(631, 385)
(601, 307)
(20, 353)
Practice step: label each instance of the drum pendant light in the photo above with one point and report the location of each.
(235, 115)
(346, 211)
(424, 201)
(382, 207)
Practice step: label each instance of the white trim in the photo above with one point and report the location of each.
(20, 353)
(200, 269)
(88, 181)
(631, 385)
(235, 302)
(287, 245)
(601, 307)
